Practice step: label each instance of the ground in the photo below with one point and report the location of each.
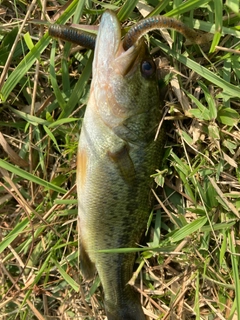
(189, 268)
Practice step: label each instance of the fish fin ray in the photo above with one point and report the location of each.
(131, 309)
(86, 265)
(124, 162)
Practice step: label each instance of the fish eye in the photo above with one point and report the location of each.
(147, 68)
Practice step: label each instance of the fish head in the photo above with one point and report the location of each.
(124, 85)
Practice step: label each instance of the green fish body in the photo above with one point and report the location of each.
(116, 156)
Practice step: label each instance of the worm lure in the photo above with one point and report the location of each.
(73, 35)
(158, 22)
(134, 34)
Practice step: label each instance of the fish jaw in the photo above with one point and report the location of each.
(109, 54)
(112, 67)
(107, 43)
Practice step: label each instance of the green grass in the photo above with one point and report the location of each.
(190, 266)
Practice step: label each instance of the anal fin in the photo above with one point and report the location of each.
(86, 265)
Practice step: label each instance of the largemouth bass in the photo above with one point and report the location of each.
(116, 156)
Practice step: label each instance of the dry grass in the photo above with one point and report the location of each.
(190, 267)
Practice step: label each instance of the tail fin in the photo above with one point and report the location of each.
(130, 309)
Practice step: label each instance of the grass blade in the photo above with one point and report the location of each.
(28, 176)
(66, 277)
(228, 88)
(13, 234)
(32, 56)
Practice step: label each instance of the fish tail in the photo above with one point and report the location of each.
(129, 309)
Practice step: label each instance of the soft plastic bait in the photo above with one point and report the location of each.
(73, 35)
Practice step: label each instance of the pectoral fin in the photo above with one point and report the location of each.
(86, 265)
(124, 162)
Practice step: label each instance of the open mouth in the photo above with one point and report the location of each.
(109, 51)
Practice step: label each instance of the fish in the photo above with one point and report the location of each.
(117, 154)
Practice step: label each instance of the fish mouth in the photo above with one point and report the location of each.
(113, 71)
(128, 61)
(109, 51)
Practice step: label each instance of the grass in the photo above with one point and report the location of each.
(190, 267)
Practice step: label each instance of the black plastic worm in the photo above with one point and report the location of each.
(158, 22)
(84, 39)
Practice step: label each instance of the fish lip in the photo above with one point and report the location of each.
(109, 51)
(108, 41)
(110, 21)
(128, 61)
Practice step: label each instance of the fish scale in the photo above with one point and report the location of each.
(116, 156)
